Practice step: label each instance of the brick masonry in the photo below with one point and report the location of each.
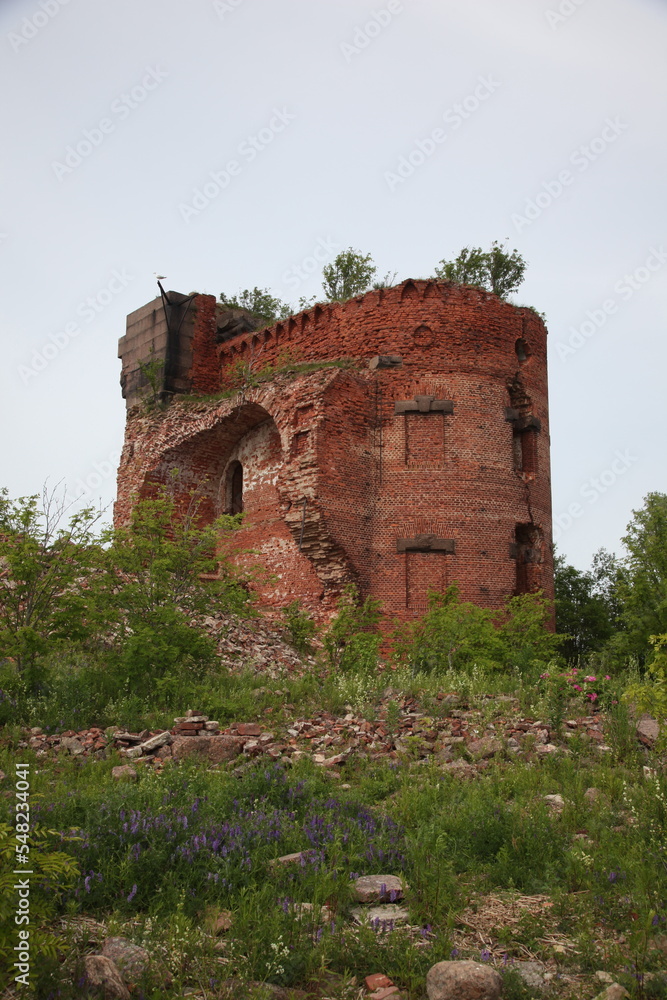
(401, 477)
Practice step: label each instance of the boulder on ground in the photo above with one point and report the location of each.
(131, 960)
(124, 772)
(463, 981)
(613, 992)
(378, 888)
(593, 796)
(389, 913)
(104, 979)
(648, 730)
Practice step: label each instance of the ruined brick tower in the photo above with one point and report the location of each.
(399, 440)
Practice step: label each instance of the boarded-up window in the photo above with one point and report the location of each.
(425, 571)
(525, 451)
(424, 438)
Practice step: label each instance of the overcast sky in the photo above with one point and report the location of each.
(222, 143)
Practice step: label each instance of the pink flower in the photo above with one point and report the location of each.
(577, 687)
(592, 696)
(607, 678)
(590, 679)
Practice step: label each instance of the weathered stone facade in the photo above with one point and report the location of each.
(413, 452)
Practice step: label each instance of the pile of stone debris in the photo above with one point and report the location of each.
(256, 644)
(460, 741)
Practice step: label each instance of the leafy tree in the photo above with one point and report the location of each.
(643, 579)
(350, 274)
(496, 270)
(154, 591)
(583, 613)
(469, 268)
(258, 301)
(44, 593)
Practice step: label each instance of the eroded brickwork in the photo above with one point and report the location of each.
(400, 476)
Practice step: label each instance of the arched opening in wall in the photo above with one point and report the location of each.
(205, 464)
(234, 489)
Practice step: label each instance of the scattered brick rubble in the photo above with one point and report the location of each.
(266, 651)
(461, 742)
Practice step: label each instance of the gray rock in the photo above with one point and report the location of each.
(613, 992)
(309, 911)
(461, 769)
(125, 772)
(130, 960)
(378, 888)
(532, 974)
(463, 981)
(555, 802)
(593, 796)
(390, 912)
(71, 745)
(103, 978)
(288, 859)
(485, 748)
(133, 753)
(648, 729)
(154, 742)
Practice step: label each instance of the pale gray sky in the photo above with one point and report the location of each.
(549, 119)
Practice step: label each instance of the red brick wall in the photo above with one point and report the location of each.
(369, 476)
(205, 374)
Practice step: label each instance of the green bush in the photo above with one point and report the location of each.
(456, 635)
(300, 626)
(350, 642)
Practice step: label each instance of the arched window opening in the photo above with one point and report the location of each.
(235, 488)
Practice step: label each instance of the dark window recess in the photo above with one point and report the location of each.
(522, 350)
(235, 488)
